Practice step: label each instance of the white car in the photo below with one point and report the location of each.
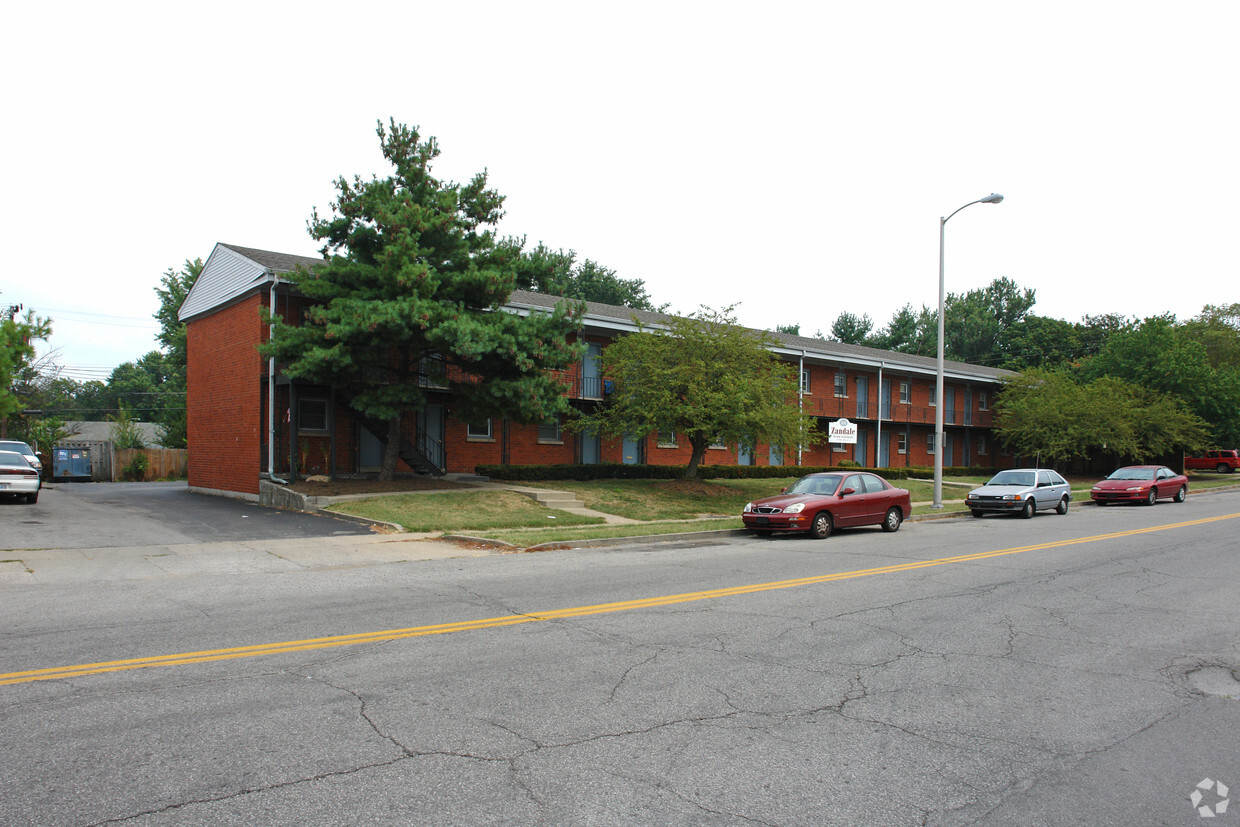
(1021, 491)
(18, 478)
(23, 449)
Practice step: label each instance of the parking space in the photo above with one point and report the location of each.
(102, 515)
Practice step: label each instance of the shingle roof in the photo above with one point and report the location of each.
(820, 349)
(608, 316)
(277, 262)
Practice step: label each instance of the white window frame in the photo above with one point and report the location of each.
(480, 433)
(902, 442)
(930, 446)
(805, 381)
(906, 393)
(665, 438)
(841, 385)
(982, 402)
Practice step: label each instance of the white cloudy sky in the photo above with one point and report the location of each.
(791, 158)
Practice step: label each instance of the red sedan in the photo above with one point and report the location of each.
(1141, 484)
(820, 503)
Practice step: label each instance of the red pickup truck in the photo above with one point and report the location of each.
(1224, 461)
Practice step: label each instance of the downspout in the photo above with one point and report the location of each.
(800, 399)
(271, 393)
(878, 439)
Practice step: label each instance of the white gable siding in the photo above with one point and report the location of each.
(226, 275)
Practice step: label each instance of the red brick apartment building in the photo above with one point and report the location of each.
(235, 440)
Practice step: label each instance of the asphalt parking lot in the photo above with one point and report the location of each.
(101, 515)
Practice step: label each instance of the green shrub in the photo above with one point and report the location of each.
(615, 471)
(135, 469)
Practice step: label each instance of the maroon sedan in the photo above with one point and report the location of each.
(820, 503)
(1141, 484)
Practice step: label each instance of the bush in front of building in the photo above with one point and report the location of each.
(615, 471)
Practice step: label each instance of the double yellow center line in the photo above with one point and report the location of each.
(206, 656)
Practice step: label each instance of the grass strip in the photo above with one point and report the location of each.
(457, 511)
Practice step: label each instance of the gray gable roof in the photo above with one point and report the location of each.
(233, 271)
(276, 262)
(621, 319)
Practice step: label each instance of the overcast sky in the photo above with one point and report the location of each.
(792, 159)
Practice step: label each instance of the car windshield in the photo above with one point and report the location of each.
(815, 485)
(1133, 474)
(1012, 478)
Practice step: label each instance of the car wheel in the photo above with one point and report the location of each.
(1182, 494)
(32, 498)
(1062, 508)
(1222, 468)
(893, 519)
(820, 529)
(1152, 497)
(1027, 512)
(976, 513)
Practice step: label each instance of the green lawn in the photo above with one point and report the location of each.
(677, 505)
(456, 512)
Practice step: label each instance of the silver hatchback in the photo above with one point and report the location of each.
(1021, 491)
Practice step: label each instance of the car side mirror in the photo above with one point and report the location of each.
(848, 491)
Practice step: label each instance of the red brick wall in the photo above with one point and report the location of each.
(223, 398)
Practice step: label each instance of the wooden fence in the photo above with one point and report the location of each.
(161, 463)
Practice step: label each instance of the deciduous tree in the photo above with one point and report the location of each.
(1054, 415)
(705, 378)
(17, 353)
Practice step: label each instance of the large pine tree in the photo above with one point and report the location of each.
(414, 280)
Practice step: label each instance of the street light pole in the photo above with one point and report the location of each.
(993, 198)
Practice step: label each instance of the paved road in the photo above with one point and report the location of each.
(1060, 670)
(99, 515)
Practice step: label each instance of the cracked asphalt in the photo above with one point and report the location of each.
(1088, 677)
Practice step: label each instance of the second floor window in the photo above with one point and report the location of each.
(981, 401)
(841, 385)
(906, 393)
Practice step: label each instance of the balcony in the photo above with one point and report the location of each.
(900, 413)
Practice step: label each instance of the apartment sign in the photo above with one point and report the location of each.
(841, 430)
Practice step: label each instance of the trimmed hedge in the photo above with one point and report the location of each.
(613, 471)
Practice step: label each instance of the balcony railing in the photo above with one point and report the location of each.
(837, 408)
(577, 386)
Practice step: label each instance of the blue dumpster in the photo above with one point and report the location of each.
(71, 464)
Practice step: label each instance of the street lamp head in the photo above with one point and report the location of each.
(993, 198)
